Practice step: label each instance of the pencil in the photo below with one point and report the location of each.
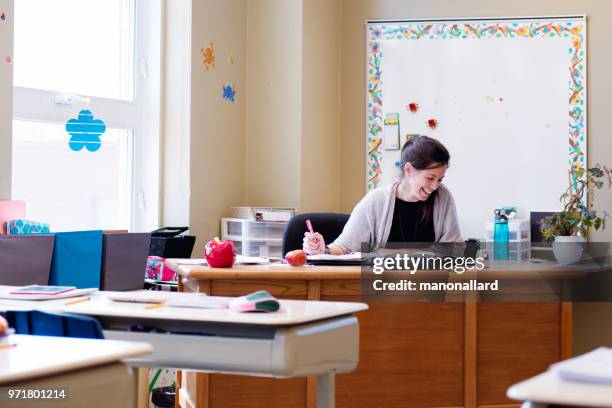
(155, 306)
(7, 345)
(72, 302)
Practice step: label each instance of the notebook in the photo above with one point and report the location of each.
(5, 294)
(41, 290)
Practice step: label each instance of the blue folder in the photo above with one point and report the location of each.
(77, 259)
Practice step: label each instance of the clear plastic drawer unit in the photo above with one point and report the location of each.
(254, 238)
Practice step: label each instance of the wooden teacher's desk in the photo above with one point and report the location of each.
(412, 354)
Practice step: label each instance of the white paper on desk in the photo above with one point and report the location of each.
(355, 256)
(240, 260)
(593, 367)
(187, 261)
(70, 294)
(203, 302)
(251, 260)
(144, 296)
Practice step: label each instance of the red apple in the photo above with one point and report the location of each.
(220, 254)
(296, 258)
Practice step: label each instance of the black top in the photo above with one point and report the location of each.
(407, 225)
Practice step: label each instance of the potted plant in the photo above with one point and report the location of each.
(567, 229)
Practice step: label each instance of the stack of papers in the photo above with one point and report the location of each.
(142, 296)
(199, 301)
(326, 259)
(593, 367)
(171, 299)
(355, 256)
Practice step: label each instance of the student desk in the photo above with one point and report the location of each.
(301, 339)
(90, 371)
(548, 388)
(413, 354)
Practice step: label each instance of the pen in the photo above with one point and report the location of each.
(309, 225)
(311, 230)
(72, 302)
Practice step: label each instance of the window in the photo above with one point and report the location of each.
(100, 56)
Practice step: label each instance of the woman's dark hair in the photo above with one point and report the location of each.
(424, 152)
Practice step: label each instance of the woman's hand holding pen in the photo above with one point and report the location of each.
(314, 244)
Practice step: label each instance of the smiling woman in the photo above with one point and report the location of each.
(418, 208)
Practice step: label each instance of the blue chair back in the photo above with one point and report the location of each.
(39, 323)
(77, 259)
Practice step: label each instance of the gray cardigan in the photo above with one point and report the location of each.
(370, 221)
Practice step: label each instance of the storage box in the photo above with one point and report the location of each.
(267, 214)
(25, 227)
(254, 238)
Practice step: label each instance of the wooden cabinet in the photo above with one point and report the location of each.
(412, 354)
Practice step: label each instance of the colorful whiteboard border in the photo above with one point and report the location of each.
(574, 28)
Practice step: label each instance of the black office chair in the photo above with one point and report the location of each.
(330, 225)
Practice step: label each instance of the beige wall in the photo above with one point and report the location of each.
(217, 131)
(273, 113)
(593, 322)
(293, 103)
(320, 147)
(278, 144)
(6, 98)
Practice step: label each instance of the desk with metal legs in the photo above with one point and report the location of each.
(67, 372)
(304, 338)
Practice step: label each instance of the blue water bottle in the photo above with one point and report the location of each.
(501, 236)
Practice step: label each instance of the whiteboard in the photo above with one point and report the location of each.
(506, 97)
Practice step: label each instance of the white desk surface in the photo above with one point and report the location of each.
(550, 389)
(37, 356)
(292, 312)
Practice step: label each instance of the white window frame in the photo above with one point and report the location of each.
(142, 114)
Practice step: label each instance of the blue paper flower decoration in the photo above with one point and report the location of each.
(85, 131)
